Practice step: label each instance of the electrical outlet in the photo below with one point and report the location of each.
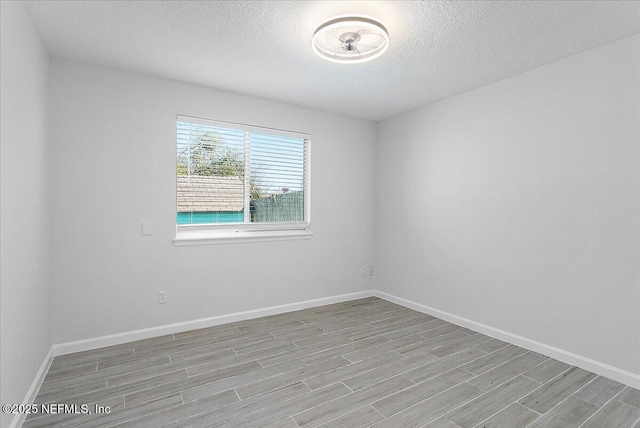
(162, 297)
(369, 270)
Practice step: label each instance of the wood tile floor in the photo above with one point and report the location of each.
(355, 364)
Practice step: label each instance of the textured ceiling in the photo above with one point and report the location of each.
(263, 48)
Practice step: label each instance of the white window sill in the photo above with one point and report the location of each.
(188, 238)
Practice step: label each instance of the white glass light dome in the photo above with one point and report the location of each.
(350, 39)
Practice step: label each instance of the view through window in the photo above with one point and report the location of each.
(231, 174)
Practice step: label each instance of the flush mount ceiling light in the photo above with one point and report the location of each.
(350, 39)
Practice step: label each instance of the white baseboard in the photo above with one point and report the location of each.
(18, 419)
(602, 369)
(147, 333)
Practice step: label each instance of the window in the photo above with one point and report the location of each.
(239, 181)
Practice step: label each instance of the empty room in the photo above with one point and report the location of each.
(303, 214)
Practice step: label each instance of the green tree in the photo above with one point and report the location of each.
(208, 155)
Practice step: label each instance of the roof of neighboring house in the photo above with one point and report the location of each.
(209, 193)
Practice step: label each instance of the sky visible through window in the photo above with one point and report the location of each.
(277, 162)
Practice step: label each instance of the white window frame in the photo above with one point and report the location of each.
(221, 233)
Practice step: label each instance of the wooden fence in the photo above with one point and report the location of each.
(278, 208)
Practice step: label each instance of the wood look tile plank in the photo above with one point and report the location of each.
(197, 365)
(350, 370)
(101, 394)
(435, 368)
(384, 328)
(213, 351)
(268, 342)
(492, 402)
(438, 331)
(208, 418)
(492, 345)
(556, 390)
(428, 345)
(460, 345)
(128, 362)
(494, 359)
(397, 367)
(345, 327)
(70, 371)
(385, 347)
(353, 330)
(125, 414)
(431, 409)
(599, 391)
(302, 352)
(87, 357)
(332, 324)
(102, 375)
(338, 325)
(494, 377)
(375, 316)
(137, 395)
(432, 325)
(305, 337)
(292, 376)
(614, 414)
(516, 415)
(420, 392)
(181, 411)
(402, 318)
(361, 418)
(320, 339)
(442, 423)
(203, 364)
(336, 408)
(547, 370)
(66, 394)
(630, 396)
(344, 349)
(173, 345)
(353, 314)
(194, 392)
(270, 351)
(132, 364)
(282, 331)
(570, 413)
(297, 405)
(285, 423)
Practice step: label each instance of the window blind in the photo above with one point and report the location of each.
(231, 175)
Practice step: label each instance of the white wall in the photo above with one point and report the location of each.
(114, 149)
(26, 205)
(517, 205)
